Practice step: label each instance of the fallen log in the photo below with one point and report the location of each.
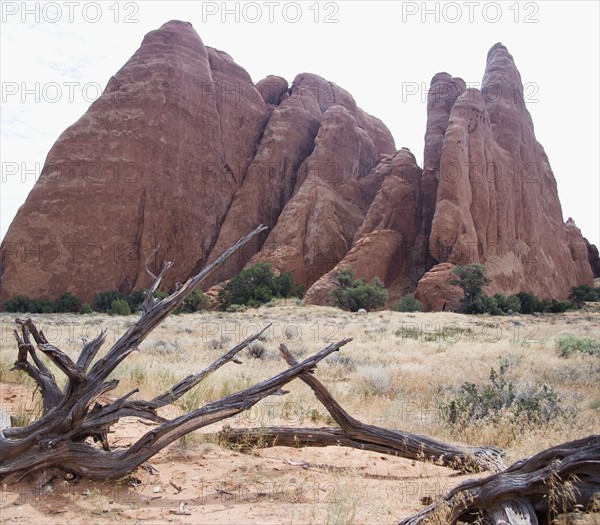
(531, 491)
(353, 433)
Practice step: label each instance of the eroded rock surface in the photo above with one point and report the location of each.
(184, 154)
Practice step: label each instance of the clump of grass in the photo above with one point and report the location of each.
(257, 350)
(26, 412)
(491, 401)
(343, 361)
(218, 344)
(192, 399)
(9, 375)
(162, 348)
(342, 507)
(138, 374)
(292, 332)
(568, 345)
(374, 380)
(407, 333)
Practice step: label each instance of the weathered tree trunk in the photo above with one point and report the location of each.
(353, 433)
(533, 490)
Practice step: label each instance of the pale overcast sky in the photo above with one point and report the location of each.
(56, 57)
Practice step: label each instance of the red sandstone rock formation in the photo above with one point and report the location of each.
(593, 257)
(184, 152)
(497, 201)
(435, 291)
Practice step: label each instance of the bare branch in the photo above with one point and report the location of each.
(83, 459)
(152, 318)
(405, 444)
(90, 349)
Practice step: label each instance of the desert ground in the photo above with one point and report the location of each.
(401, 371)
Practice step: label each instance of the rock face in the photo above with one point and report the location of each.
(145, 167)
(497, 201)
(593, 258)
(435, 291)
(384, 244)
(184, 153)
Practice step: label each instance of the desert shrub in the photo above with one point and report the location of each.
(488, 402)
(161, 347)
(568, 345)
(67, 303)
(257, 349)
(374, 380)
(481, 304)
(195, 302)
(343, 361)
(287, 287)
(258, 285)
(408, 303)
(19, 303)
(558, 307)
(119, 307)
(507, 304)
(529, 303)
(353, 294)
(583, 293)
(136, 299)
(236, 308)
(41, 305)
(103, 300)
(86, 309)
(472, 278)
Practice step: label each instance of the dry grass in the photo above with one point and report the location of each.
(398, 371)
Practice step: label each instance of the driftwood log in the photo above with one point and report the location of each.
(531, 491)
(355, 434)
(71, 438)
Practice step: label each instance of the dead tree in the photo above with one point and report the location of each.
(532, 491)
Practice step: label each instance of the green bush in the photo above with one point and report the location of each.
(481, 304)
(354, 294)
(558, 307)
(136, 299)
(583, 293)
(507, 305)
(19, 303)
(119, 307)
(258, 285)
(480, 402)
(195, 302)
(567, 345)
(86, 309)
(472, 278)
(530, 304)
(408, 303)
(41, 305)
(103, 300)
(67, 303)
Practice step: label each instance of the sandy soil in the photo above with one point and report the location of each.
(199, 482)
